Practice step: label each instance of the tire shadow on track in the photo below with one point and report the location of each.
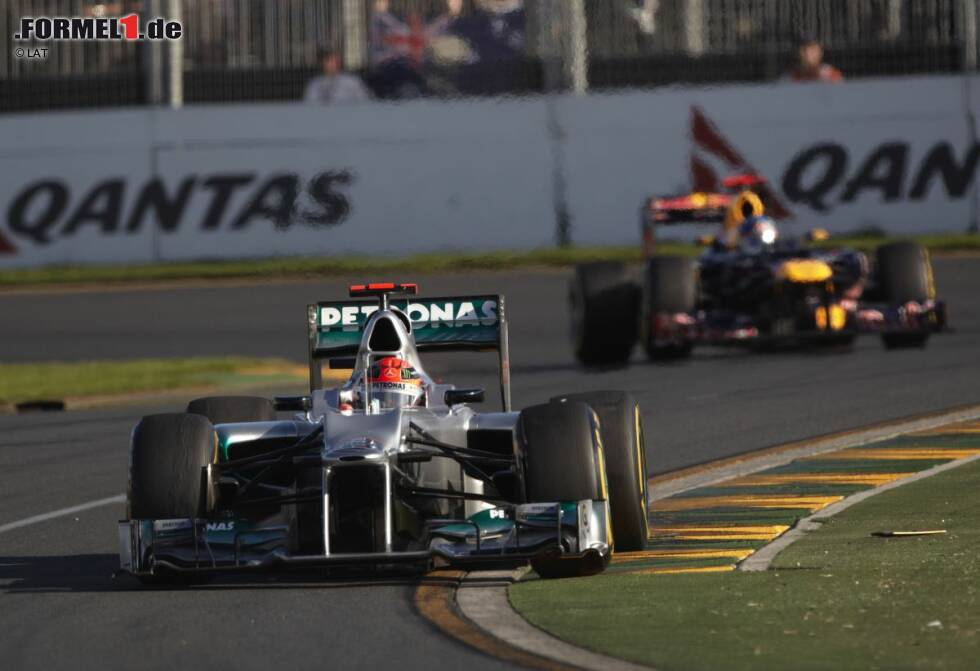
(94, 573)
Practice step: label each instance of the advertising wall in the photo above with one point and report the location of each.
(895, 154)
(289, 179)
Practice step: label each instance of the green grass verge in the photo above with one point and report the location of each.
(60, 380)
(420, 263)
(369, 267)
(837, 599)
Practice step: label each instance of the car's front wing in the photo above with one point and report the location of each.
(507, 535)
(707, 328)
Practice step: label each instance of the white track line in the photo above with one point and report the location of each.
(120, 498)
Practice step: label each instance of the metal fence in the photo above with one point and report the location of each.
(240, 50)
(646, 42)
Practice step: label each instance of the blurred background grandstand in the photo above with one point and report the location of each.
(252, 50)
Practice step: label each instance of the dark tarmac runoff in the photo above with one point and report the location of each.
(59, 607)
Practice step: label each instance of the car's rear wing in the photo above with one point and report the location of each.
(688, 208)
(442, 324)
(696, 208)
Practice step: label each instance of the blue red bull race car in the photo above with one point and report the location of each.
(749, 287)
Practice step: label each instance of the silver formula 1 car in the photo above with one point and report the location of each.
(356, 478)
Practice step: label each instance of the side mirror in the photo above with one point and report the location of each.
(818, 235)
(293, 403)
(459, 396)
(342, 363)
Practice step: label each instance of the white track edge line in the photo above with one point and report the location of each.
(54, 514)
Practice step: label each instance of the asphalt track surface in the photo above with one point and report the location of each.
(59, 608)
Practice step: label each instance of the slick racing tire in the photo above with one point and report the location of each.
(559, 445)
(169, 479)
(670, 287)
(231, 409)
(562, 461)
(904, 274)
(603, 304)
(622, 442)
(169, 467)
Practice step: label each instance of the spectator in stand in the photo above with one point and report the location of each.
(495, 32)
(810, 66)
(335, 85)
(442, 24)
(445, 47)
(393, 38)
(398, 50)
(487, 46)
(390, 37)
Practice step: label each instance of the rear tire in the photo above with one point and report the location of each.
(603, 303)
(904, 274)
(622, 442)
(232, 409)
(168, 467)
(670, 287)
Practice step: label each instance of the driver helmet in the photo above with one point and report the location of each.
(757, 233)
(392, 382)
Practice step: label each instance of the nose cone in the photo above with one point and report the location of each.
(357, 449)
(359, 437)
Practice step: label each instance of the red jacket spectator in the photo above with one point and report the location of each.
(811, 67)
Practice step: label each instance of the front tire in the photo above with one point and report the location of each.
(622, 442)
(169, 478)
(563, 462)
(169, 464)
(559, 453)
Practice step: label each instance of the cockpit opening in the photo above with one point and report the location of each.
(384, 337)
